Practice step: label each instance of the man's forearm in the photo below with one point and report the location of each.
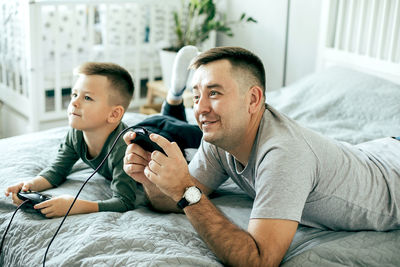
(234, 246)
(159, 201)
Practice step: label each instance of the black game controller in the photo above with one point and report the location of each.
(33, 197)
(142, 139)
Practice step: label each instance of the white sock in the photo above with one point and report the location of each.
(180, 71)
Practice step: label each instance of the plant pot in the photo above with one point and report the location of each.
(167, 59)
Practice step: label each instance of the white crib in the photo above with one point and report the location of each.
(41, 41)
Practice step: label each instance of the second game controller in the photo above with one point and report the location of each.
(142, 139)
(33, 197)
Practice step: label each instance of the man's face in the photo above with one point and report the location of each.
(89, 107)
(220, 107)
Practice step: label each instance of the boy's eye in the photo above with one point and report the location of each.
(73, 95)
(88, 98)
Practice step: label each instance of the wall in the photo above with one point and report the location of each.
(1, 120)
(303, 38)
(267, 37)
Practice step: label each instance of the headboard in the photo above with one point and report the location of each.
(362, 35)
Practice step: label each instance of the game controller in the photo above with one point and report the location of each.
(33, 197)
(142, 139)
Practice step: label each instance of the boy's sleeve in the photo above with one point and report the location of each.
(122, 186)
(57, 172)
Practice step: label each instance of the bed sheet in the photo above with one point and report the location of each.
(143, 237)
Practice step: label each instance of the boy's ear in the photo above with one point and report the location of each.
(116, 114)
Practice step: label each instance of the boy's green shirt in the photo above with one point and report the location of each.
(74, 147)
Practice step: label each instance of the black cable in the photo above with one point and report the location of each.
(9, 224)
(87, 180)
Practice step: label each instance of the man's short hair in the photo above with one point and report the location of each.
(120, 79)
(238, 57)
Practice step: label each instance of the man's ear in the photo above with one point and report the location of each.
(256, 99)
(116, 114)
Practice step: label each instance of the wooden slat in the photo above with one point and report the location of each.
(349, 25)
(339, 25)
(394, 36)
(361, 22)
(57, 61)
(384, 21)
(371, 27)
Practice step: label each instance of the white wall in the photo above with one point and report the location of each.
(267, 38)
(303, 38)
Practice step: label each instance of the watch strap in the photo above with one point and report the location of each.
(183, 203)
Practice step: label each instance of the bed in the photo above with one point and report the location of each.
(342, 100)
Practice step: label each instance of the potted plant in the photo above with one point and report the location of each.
(194, 23)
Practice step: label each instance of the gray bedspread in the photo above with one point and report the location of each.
(345, 105)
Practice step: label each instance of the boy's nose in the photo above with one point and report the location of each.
(75, 102)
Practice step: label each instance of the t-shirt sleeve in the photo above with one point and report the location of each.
(57, 172)
(123, 187)
(207, 166)
(284, 181)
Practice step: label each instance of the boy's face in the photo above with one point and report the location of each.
(89, 108)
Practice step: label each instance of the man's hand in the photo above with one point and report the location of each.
(170, 173)
(58, 206)
(135, 160)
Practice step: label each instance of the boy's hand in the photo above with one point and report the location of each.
(57, 206)
(13, 190)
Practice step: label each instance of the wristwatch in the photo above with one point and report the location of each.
(191, 196)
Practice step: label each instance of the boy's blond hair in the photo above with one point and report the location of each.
(120, 79)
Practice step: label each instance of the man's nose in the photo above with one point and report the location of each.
(203, 105)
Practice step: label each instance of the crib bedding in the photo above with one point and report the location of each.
(343, 104)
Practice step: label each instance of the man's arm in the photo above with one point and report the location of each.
(163, 203)
(264, 244)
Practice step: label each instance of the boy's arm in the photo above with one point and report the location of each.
(123, 187)
(58, 206)
(39, 183)
(67, 156)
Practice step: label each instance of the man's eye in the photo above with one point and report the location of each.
(212, 93)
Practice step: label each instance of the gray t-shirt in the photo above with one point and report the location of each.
(297, 174)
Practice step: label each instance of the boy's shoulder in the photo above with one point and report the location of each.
(74, 136)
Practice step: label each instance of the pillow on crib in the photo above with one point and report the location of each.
(344, 104)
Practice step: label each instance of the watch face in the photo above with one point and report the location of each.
(193, 195)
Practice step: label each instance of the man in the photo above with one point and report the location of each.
(294, 174)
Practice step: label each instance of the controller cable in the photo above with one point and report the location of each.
(87, 180)
(9, 224)
(76, 197)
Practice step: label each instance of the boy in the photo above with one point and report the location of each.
(99, 99)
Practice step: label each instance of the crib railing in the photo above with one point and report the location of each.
(42, 41)
(364, 32)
